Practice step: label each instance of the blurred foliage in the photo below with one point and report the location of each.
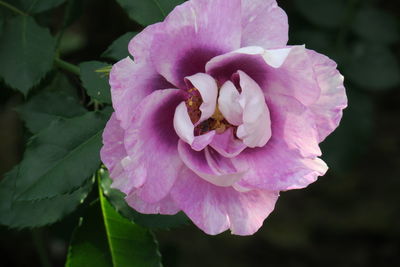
(350, 217)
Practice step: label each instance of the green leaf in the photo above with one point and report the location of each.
(376, 26)
(327, 13)
(61, 157)
(35, 6)
(89, 246)
(46, 107)
(105, 238)
(96, 81)
(119, 48)
(155, 221)
(147, 12)
(26, 52)
(372, 67)
(22, 214)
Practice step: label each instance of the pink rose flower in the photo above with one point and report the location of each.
(217, 114)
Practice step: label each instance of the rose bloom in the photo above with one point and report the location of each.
(216, 114)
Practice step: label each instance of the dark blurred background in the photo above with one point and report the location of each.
(349, 217)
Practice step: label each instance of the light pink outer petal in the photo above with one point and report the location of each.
(275, 167)
(112, 154)
(264, 24)
(228, 103)
(139, 46)
(209, 165)
(150, 142)
(328, 108)
(130, 83)
(208, 89)
(192, 34)
(227, 144)
(215, 209)
(256, 128)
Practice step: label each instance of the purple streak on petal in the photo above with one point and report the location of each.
(150, 142)
(328, 108)
(208, 89)
(130, 83)
(210, 166)
(215, 209)
(264, 24)
(227, 145)
(192, 34)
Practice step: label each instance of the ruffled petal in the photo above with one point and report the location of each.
(130, 83)
(264, 24)
(208, 89)
(227, 144)
(209, 165)
(151, 141)
(256, 128)
(329, 107)
(201, 32)
(215, 209)
(275, 167)
(228, 103)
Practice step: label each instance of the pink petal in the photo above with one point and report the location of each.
(192, 34)
(130, 83)
(256, 128)
(227, 145)
(150, 142)
(275, 167)
(263, 24)
(208, 89)
(215, 209)
(139, 46)
(112, 154)
(228, 103)
(328, 108)
(209, 165)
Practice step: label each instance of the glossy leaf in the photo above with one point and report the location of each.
(89, 245)
(376, 26)
(155, 221)
(119, 48)
(147, 12)
(22, 214)
(327, 13)
(26, 52)
(130, 244)
(95, 80)
(61, 157)
(372, 67)
(46, 107)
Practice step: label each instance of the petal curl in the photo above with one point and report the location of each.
(192, 25)
(208, 89)
(227, 144)
(130, 83)
(329, 107)
(264, 24)
(209, 165)
(215, 209)
(228, 103)
(151, 141)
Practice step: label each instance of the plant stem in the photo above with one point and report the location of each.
(13, 8)
(66, 66)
